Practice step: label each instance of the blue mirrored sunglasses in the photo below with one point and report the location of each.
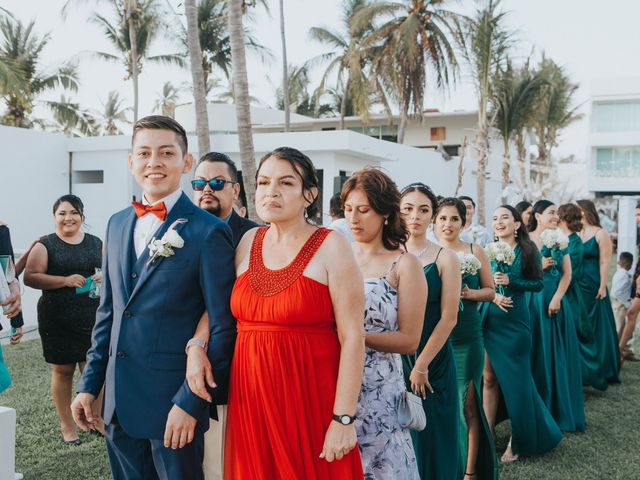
(215, 183)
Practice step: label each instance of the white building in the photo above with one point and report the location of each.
(614, 150)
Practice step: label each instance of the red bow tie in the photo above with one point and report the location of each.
(159, 210)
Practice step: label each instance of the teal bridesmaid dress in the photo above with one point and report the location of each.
(468, 350)
(507, 340)
(436, 446)
(556, 362)
(5, 379)
(599, 349)
(574, 293)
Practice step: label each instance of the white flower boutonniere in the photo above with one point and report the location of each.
(170, 240)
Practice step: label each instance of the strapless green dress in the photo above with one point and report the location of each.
(436, 446)
(507, 340)
(599, 348)
(556, 363)
(468, 350)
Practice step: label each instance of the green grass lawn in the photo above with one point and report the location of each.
(610, 449)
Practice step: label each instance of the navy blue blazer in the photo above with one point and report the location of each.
(148, 313)
(239, 226)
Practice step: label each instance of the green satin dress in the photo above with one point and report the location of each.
(574, 293)
(555, 358)
(507, 340)
(5, 379)
(436, 446)
(599, 340)
(468, 350)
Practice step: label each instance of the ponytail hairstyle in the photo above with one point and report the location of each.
(531, 267)
(590, 213)
(539, 207)
(572, 216)
(384, 198)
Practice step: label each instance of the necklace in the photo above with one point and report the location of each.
(423, 251)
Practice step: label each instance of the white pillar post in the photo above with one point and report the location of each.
(627, 225)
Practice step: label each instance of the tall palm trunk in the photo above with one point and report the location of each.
(285, 72)
(482, 150)
(522, 159)
(506, 168)
(243, 112)
(131, 7)
(197, 77)
(404, 117)
(343, 106)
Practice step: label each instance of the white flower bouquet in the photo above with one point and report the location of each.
(503, 256)
(553, 243)
(469, 264)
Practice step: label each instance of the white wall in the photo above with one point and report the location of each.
(456, 127)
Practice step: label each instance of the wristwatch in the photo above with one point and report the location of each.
(195, 341)
(344, 419)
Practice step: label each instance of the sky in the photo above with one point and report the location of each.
(588, 40)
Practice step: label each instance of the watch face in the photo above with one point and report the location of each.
(345, 420)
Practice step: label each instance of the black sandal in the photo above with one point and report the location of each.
(73, 443)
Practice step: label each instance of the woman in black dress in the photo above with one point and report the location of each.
(58, 264)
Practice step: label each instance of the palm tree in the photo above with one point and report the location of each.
(554, 111)
(417, 34)
(243, 111)
(21, 49)
(72, 120)
(514, 98)
(485, 43)
(350, 59)
(300, 100)
(197, 77)
(285, 71)
(113, 113)
(167, 101)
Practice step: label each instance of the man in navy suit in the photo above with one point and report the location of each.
(216, 187)
(150, 306)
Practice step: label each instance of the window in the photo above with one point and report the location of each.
(438, 134)
(617, 162)
(87, 176)
(616, 117)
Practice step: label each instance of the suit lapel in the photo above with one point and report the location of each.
(126, 253)
(182, 209)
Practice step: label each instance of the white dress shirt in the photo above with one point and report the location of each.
(148, 224)
(621, 286)
(476, 234)
(340, 225)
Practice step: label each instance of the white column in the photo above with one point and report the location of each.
(8, 443)
(627, 225)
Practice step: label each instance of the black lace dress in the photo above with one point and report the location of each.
(65, 318)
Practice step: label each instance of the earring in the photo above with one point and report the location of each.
(495, 238)
(516, 234)
(386, 221)
(306, 214)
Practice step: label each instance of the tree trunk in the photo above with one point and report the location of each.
(482, 149)
(522, 160)
(243, 111)
(130, 6)
(403, 123)
(343, 108)
(506, 170)
(285, 72)
(197, 77)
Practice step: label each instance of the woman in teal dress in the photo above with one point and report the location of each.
(475, 446)
(556, 346)
(600, 353)
(507, 339)
(432, 374)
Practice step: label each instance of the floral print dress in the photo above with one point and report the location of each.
(385, 447)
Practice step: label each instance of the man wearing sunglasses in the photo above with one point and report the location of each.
(216, 187)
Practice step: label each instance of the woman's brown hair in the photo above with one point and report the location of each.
(590, 213)
(572, 216)
(384, 197)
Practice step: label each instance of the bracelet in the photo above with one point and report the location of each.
(421, 372)
(195, 341)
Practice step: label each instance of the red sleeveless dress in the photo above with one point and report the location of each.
(284, 373)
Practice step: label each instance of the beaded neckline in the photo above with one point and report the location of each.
(267, 282)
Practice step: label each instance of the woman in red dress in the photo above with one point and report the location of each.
(298, 362)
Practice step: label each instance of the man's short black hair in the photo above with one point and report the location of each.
(160, 122)
(626, 258)
(223, 158)
(465, 197)
(335, 206)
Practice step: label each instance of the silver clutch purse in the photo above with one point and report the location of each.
(411, 413)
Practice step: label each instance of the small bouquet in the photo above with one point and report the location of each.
(469, 266)
(553, 242)
(503, 256)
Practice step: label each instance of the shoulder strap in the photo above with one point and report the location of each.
(393, 265)
(437, 255)
(255, 255)
(310, 247)
(471, 247)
